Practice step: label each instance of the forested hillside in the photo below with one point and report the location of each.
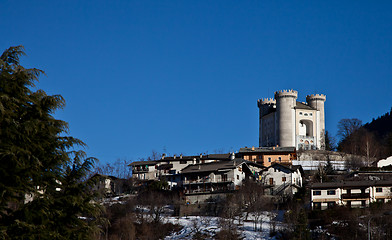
(373, 139)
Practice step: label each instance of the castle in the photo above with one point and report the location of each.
(287, 123)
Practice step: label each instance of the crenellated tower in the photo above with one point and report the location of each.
(267, 106)
(285, 103)
(317, 101)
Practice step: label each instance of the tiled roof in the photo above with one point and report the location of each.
(300, 105)
(343, 184)
(267, 149)
(292, 168)
(214, 166)
(138, 163)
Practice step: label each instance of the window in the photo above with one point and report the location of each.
(380, 200)
(310, 114)
(378, 189)
(280, 159)
(331, 192)
(305, 114)
(269, 159)
(300, 113)
(283, 179)
(182, 161)
(238, 177)
(316, 192)
(331, 205)
(316, 205)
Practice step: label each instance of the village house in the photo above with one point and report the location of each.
(282, 180)
(350, 193)
(268, 155)
(108, 185)
(144, 170)
(201, 180)
(169, 168)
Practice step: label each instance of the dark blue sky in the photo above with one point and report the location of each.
(185, 76)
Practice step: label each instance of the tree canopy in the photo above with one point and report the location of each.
(43, 194)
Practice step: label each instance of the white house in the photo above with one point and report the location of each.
(350, 193)
(216, 176)
(283, 180)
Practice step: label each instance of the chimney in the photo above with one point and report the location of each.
(253, 148)
(181, 156)
(273, 148)
(198, 166)
(163, 156)
(174, 156)
(201, 155)
(232, 156)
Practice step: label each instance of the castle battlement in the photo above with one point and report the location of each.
(321, 97)
(286, 93)
(266, 101)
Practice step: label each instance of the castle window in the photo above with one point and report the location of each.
(269, 159)
(300, 113)
(310, 114)
(306, 114)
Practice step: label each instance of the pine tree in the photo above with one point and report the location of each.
(42, 192)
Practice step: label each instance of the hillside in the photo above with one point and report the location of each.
(382, 126)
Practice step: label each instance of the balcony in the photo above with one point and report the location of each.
(201, 181)
(356, 196)
(139, 170)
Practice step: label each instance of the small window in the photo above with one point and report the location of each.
(238, 177)
(305, 114)
(300, 113)
(331, 192)
(269, 159)
(283, 179)
(316, 193)
(380, 200)
(280, 159)
(378, 189)
(316, 205)
(331, 205)
(183, 162)
(310, 114)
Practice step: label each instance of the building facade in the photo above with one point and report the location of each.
(282, 180)
(268, 155)
(286, 122)
(350, 193)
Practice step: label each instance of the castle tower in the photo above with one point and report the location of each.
(317, 101)
(285, 103)
(266, 128)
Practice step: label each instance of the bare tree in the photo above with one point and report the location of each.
(348, 126)
(370, 147)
